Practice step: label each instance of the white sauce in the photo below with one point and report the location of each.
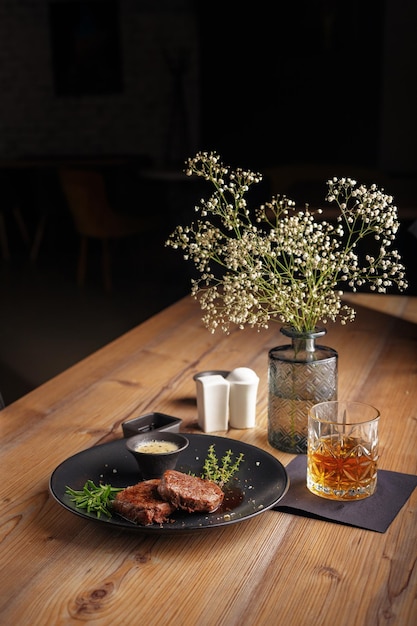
(156, 447)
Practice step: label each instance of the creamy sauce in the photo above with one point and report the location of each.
(156, 447)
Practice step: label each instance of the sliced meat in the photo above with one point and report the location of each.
(190, 493)
(142, 503)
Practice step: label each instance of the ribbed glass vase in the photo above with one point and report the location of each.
(300, 374)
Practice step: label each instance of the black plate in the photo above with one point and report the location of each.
(261, 481)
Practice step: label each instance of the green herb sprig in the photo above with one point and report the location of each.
(93, 498)
(220, 472)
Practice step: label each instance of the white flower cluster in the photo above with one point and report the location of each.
(283, 264)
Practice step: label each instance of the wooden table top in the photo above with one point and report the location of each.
(275, 568)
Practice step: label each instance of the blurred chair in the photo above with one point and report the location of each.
(10, 206)
(94, 217)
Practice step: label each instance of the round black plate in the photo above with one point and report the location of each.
(261, 481)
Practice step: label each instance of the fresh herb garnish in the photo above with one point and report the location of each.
(95, 499)
(220, 472)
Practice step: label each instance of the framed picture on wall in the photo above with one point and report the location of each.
(86, 51)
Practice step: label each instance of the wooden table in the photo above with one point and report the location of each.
(276, 568)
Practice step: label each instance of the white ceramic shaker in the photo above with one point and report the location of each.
(212, 403)
(242, 399)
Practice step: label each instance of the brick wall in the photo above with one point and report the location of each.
(34, 121)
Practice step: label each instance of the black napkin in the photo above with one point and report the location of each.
(374, 513)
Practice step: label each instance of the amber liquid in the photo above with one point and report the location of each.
(341, 469)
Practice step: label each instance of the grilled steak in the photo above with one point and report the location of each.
(142, 503)
(190, 493)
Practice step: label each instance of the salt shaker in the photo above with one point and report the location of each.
(212, 402)
(242, 398)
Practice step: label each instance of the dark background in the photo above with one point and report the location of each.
(298, 91)
(293, 82)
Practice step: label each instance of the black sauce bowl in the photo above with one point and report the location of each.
(154, 464)
(150, 421)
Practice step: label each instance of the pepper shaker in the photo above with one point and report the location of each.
(242, 398)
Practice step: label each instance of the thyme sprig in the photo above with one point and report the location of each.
(93, 498)
(220, 472)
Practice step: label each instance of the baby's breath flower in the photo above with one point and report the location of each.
(289, 267)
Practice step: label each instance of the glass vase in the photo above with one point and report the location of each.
(300, 374)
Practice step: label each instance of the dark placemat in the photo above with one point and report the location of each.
(373, 513)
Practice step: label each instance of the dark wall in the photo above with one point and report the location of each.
(270, 84)
(305, 81)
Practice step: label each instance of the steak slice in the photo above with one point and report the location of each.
(142, 503)
(190, 493)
